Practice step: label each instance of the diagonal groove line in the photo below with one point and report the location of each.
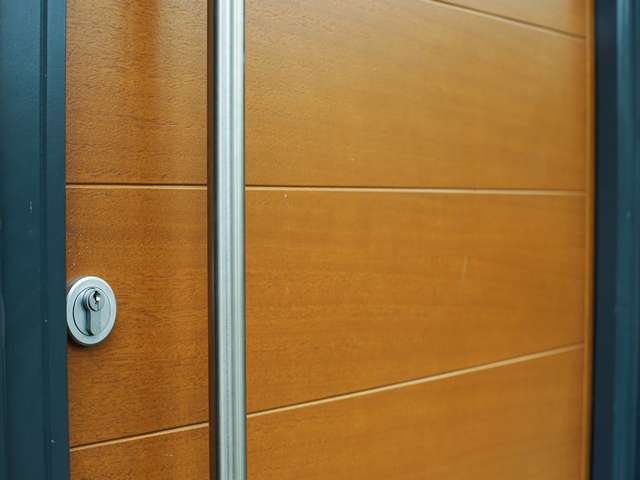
(360, 393)
(507, 19)
(132, 438)
(422, 380)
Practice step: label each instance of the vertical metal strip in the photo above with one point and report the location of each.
(227, 203)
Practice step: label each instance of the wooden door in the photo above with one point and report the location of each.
(136, 216)
(418, 239)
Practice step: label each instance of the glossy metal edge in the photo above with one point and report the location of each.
(226, 224)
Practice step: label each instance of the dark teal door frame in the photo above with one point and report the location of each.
(617, 283)
(33, 383)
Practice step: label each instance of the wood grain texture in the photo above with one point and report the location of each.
(152, 372)
(564, 15)
(522, 421)
(348, 290)
(410, 93)
(136, 91)
(182, 455)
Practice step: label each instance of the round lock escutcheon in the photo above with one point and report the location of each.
(91, 310)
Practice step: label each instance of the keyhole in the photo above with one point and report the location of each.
(95, 301)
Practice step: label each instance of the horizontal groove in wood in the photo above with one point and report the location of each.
(348, 291)
(519, 421)
(561, 16)
(136, 91)
(152, 372)
(410, 94)
(136, 186)
(418, 381)
(478, 191)
(182, 454)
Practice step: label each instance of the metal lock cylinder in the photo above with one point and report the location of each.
(91, 310)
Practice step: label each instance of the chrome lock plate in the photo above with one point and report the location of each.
(91, 310)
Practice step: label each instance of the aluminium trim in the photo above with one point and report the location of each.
(226, 223)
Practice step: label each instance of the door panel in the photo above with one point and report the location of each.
(342, 296)
(418, 239)
(151, 373)
(136, 173)
(509, 422)
(136, 91)
(410, 94)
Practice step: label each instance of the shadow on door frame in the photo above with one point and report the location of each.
(33, 384)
